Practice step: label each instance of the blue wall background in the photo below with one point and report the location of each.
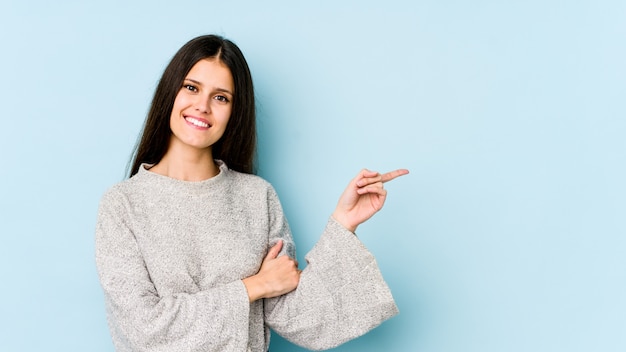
(509, 234)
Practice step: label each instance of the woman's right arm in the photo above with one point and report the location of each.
(140, 318)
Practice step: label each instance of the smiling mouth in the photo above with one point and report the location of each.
(196, 122)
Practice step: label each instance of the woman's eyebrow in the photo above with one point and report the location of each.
(194, 81)
(224, 90)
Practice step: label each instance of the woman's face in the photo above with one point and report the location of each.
(203, 105)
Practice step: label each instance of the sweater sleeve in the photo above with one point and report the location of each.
(142, 320)
(341, 295)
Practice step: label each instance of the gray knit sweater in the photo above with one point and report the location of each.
(171, 255)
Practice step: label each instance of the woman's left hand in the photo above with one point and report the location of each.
(363, 197)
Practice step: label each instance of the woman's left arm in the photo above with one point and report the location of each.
(341, 294)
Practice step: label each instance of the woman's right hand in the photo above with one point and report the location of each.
(277, 276)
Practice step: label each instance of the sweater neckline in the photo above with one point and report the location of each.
(170, 182)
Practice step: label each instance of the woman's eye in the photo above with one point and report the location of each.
(190, 88)
(222, 98)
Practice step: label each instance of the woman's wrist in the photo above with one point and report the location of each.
(254, 288)
(341, 219)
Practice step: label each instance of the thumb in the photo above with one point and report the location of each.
(273, 252)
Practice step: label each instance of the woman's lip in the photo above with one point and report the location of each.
(197, 122)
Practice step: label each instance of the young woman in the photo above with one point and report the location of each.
(193, 250)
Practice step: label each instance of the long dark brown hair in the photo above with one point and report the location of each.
(237, 147)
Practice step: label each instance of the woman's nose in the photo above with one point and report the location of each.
(202, 104)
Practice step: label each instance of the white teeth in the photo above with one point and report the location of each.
(197, 122)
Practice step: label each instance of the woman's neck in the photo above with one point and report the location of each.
(187, 165)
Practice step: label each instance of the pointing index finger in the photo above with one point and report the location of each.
(393, 174)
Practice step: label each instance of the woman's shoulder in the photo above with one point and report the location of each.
(249, 181)
(118, 191)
